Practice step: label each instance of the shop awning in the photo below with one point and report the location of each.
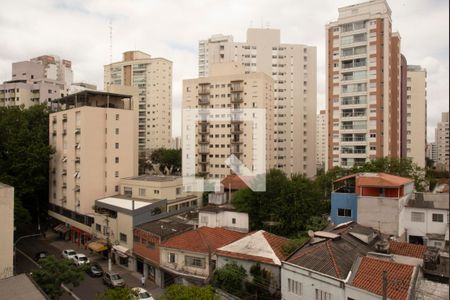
(97, 246)
(121, 250)
(61, 228)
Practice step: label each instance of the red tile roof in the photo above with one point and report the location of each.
(203, 240)
(369, 277)
(377, 179)
(234, 182)
(407, 249)
(276, 242)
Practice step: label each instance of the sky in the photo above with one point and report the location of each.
(78, 30)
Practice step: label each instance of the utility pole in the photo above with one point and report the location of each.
(108, 242)
(385, 285)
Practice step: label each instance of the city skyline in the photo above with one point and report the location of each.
(62, 28)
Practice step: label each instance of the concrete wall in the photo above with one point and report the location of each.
(180, 265)
(224, 219)
(343, 200)
(6, 230)
(428, 226)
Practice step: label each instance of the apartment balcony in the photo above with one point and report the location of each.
(78, 131)
(77, 159)
(236, 141)
(204, 89)
(64, 132)
(64, 119)
(203, 162)
(64, 185)
(236, 150)
(236, 130)
(76, 188)
(64, 172)
(203, 140)
(237, 86)
(203, 129)
(204, 100)
(54, 133)
(203, 150)
(54, 121)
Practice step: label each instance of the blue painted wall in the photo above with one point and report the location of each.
(343, 200)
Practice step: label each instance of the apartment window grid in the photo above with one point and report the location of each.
(322, 295)
(438, 218)
(294, 287)
(417, 217)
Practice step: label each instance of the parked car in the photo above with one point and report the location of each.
(68, 254)
(112, 279)
(80, 260)
(40, 254)
(94, 270)
(142, 294)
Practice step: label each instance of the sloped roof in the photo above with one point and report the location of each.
(369, 277)
(234, 182)
(377, 179)
(407, 249)
(203, 239)
(259, 246)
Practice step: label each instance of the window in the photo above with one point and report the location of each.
(294, 287)
(117, 145)
(127, 191)
(150, 245)
(344, 212)
(142, 192)
(438, 218)
(204, 219)
(123, 237)
(117, 160)
(117, 116)
(196, 262)
(322, 295)
(116, 174)
(98, 227)
(233, 220)
(172, 257)
(417, 217)
(178, 191)
(155, 191)
(117, 130)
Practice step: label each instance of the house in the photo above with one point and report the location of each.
(259, 247)
(426, 219)
(322, 268)
(375, 200)
(224, 216)
(146, 244)
(190, 257)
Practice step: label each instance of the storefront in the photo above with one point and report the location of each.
(122, 257)
(79, 237)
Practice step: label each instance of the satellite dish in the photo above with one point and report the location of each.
(311, 233)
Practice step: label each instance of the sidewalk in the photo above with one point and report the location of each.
(132, 279)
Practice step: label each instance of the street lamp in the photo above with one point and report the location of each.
(108, 241)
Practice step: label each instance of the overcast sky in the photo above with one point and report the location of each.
(79, 31)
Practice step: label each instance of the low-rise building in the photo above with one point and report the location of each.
(190, 257)
(21, 287)
(6, 230)
(261, 248)
(224, 216)
(372, 199)
(426, 219)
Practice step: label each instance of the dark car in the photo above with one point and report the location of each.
(40, 255)
(94, 270)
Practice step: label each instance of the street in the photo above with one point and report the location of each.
(90, 287)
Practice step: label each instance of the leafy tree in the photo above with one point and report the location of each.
(118, 294)
(181, 292)
(324, 181)
(294, 244)
(230, 278)
(261, 284)
(167, 158)
(55, 272)
(24, 158)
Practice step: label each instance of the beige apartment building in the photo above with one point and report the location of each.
(363, 85)
(153, 78)
(94, 134)
(40, 80)
(416, 114)
(6, 230)
(442, 141)
(231, 90)
(293, 68)
(321, 140)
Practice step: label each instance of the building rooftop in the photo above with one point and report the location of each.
(217, 208)
(203, 239)
(259, 246)
(429, 200)
(377, 180)
(123, 202)
(233, 182)
(157, 178)
(407, 249)
(20, 287)
(369, 276)
(3, 186)
(94, 99)
(427, 289)
(165, 228)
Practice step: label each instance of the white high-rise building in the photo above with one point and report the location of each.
(294, 71)
(432, 151)
(321, 140)
(442, 141)
(153, 78)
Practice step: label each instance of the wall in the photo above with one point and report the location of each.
(180, 265)
(6, 230)
(343, 200)
(428, 226)
(224, 219)
(310, 281)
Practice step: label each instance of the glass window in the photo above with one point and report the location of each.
(344, 212)
(123, 237)
(196, 262)
(417, 216)
(142, 192)
(438, 218)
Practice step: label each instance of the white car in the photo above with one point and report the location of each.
(80, 259)
(68, 254)
(143, 294)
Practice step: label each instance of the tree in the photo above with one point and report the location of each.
(181, 292)
(118, 294)
(55, 272)
(167, 158)
(324, 181)
(230, 278)
(24, 158)
(261, 284)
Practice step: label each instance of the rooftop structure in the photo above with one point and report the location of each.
(21, 287)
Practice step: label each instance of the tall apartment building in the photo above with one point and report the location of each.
(294, 71)
(442, 141)
(40, 80)
(416, 115)
(153, 78)
(6, 230)
(95, 137)
(228, 87)
(363, 85)
(432, 151)
(321, 140)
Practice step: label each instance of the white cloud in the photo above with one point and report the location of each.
(78, 31)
